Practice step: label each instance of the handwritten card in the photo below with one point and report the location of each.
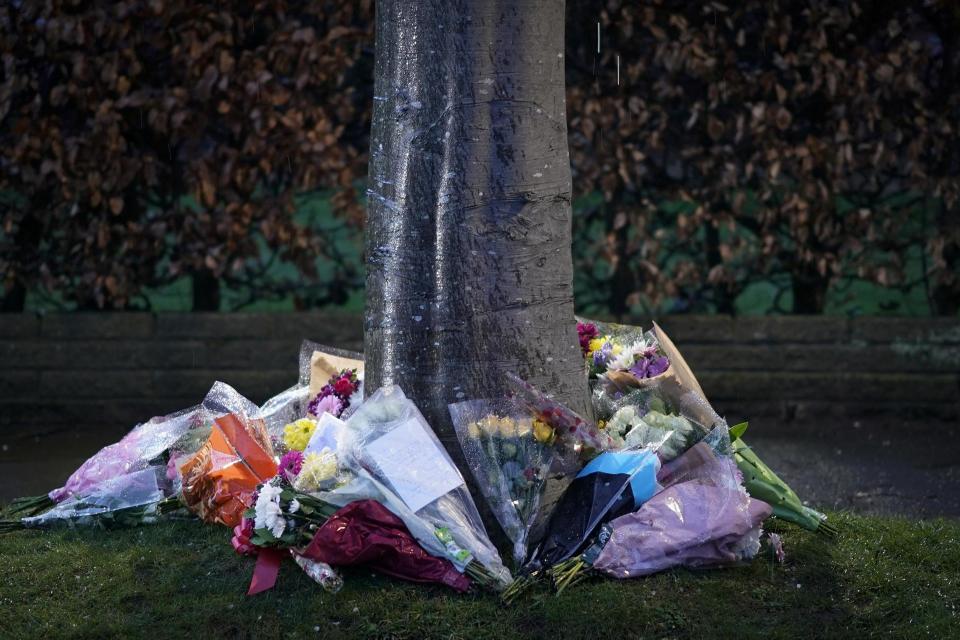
(329, 434)
(412, 462)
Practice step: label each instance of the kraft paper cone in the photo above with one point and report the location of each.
(324, 366)
(682, 369)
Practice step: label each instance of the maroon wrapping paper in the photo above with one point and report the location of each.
(365, 532)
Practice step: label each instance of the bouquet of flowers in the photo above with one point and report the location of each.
(570, 431)
(762, 483)
(509, 453)
(150, 444)
(610, 485)
(644, 416)
(389, 438)
(675, 398)
(342, 391)
(219, 480)
(700, 517)
(319, 535)
(130, 499)
(629, 360)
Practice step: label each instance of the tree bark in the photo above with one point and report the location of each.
(809, 290)
(206, 290)
(468, 235)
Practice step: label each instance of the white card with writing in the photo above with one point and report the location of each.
(329, 434)
(411, 461)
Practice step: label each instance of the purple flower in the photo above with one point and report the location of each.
(649, 367)
(290, 464)
(602, 355)
(325, 404)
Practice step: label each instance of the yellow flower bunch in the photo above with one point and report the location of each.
(542, 431)
(499, 426)
(317, 469)
(297, 435)
(597, 343)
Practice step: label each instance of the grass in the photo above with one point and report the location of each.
(883, 577)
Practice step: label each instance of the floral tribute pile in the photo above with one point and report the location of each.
(327, 478)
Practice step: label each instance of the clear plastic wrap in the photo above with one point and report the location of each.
(218, 481)
(703, 517)
(575, 439)
(282, 409)
(509, 455)
(390, 438)
(146, 445)
(129, 498)
(320, 572)
(644, 416)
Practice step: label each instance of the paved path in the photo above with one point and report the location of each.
(883, 466)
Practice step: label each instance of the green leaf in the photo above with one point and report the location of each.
(737, 430)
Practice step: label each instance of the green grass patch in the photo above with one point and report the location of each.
(883, 577)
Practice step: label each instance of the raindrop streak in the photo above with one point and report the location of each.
(618, 69)
(598, 37)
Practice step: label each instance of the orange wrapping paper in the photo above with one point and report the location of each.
(219, 480)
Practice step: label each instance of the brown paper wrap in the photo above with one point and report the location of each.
(324, 366)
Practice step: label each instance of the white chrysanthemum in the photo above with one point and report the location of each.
(268, 514)
(625, 359)
(623, 420)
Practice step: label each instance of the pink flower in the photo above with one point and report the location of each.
(172, 472)
(290, 464)
(241, 538)
(328, 404)
(587, 332)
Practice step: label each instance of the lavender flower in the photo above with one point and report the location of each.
(325, 404)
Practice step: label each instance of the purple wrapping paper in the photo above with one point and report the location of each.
(691, 524)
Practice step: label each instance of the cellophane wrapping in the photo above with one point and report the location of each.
(610, 485)
(129, 498)
(320, 572)
(576, 440)
(149, 444)
(392, 441)
(647, 415)
(367, 533)
(219, 479)
(509, 463)
(702, 517)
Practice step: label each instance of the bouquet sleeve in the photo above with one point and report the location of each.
(612, 484)
(130, 498)
(392, 441)
(220, 478)
(365, 532)
(508, 460)
(141, 448)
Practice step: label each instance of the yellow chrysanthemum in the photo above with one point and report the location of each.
(297, 435)
(317, 469)
(595, 344)
(542, 431)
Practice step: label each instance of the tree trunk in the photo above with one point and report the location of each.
(206, 291)
(468, 245)
(14, 298)
(809, 291)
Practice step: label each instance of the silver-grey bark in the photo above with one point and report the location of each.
(468, 226)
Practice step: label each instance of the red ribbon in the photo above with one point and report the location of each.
(266, 570)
